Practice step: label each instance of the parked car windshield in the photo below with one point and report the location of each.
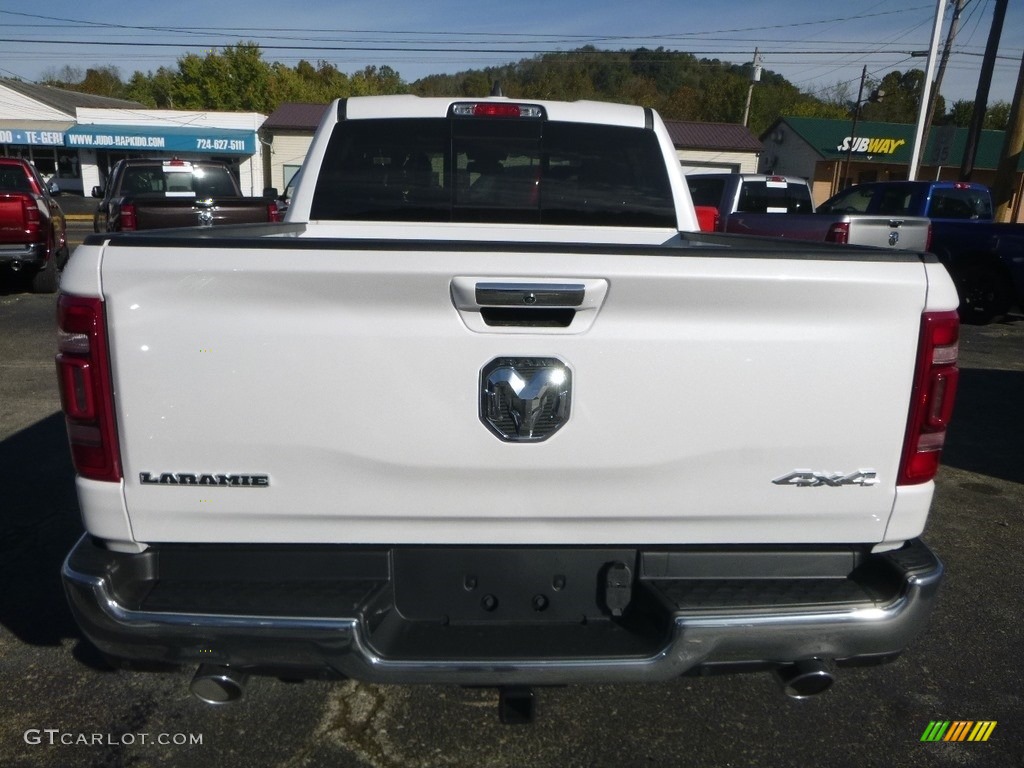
(493, 170)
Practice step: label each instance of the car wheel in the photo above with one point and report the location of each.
(46, 279)
(62, 257)
(984, 295)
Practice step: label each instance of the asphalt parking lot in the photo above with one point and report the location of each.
(63, 706)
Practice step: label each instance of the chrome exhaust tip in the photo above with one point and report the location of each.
(805, 678)
(218, 685)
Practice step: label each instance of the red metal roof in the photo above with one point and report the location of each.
(296, 117)
(729, 137)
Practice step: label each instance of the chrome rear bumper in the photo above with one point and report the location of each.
(350, 623)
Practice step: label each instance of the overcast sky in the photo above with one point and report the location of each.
(813, 44)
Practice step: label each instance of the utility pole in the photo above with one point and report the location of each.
(1013, 146)
(876, 95)
(984, 82)
(853, 128)
(915, 155)
(755, 77)
(954, 29)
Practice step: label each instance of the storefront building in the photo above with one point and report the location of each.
(101, 137)
(825, 153)
(714, 147)
(288, 132)
(34, 120)
(75, 139)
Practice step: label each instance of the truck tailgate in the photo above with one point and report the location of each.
(333, 393)
(905, 232)
(891, 232)
(13, 226)
(189, 212)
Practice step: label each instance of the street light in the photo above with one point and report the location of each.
(875, 96)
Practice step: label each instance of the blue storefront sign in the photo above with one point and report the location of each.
(161, 139)
(31, 138)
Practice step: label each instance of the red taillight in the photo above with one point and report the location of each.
(497, 109)
(33, 219)
(838, 233)
(928, 238)
(274, 212)
(86, 392)
(129, 221)
(931, 404)
(707, 218)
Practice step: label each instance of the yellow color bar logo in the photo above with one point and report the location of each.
(958, 730)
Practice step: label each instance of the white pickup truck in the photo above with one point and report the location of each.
(487, 410)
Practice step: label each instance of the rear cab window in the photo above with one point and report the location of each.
(774, 195)
(960, 203)
(182, 180)
(706, 190)
(493, 170)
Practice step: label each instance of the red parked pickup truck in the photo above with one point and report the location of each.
(33, 239)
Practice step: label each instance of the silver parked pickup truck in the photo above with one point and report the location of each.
(486, 409)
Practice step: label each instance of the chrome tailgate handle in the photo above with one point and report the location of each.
(530, 294)
(512, 304)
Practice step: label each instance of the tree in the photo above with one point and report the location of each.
(682, 104)
(997, 116)
(376, 81)
(65, 77)
(236, 80)
(902, 100)
(103, 81)
(960, 113)
(680, 86)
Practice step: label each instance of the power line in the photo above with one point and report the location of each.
(758, 29)
(397, 49)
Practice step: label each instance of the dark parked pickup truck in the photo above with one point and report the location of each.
(158, 194)
(32, 228)
(985, 258)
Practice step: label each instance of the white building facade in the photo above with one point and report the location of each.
(76, 138)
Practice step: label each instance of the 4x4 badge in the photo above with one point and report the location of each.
(805, 478)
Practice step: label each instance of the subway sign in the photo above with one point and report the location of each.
(864, 145)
